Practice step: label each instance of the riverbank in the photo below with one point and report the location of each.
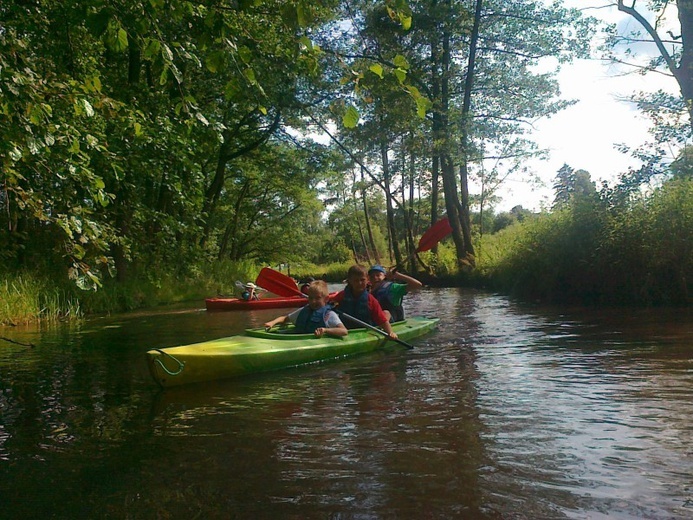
(29, 297)
(593, 252)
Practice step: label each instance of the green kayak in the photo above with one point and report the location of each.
(261, 351)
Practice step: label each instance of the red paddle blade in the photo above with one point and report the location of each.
(435, 234)
(278, 283)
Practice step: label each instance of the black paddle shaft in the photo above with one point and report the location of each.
(376, 329)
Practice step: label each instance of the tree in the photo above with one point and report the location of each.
(668, 26)
(572, 186)
(682, 167)
(121, 125)
(675, 49)
(473, 61)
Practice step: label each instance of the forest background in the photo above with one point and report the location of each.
(157, 151)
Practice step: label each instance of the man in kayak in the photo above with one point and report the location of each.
(356, 301)
(389, 288)
(315, 318)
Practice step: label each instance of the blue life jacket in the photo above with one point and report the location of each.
(309, 320)
(356, 307)
(384, 297)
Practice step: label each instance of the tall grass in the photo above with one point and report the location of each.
(25, 298)
(640, 253)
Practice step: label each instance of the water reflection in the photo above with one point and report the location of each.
(507, 411)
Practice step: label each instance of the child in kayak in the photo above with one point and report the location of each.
(389, 288)
(356, 301)
(315, 318)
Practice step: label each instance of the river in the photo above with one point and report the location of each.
(506, 411)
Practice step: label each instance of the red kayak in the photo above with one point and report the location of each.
(239, 304)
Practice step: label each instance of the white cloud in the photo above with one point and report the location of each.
(584, 136)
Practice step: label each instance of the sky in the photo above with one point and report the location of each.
(584, 136)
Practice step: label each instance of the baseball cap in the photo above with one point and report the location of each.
(378, 268)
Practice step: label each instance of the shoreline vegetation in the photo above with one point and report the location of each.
(582, 254)
(145, 165)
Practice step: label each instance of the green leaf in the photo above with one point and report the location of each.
(302, 16)
(103, 199)
(306, 42)
(401, 75)
(176, 73)
(215, 62)
(401, 62)
(167, 53)
(422, 105)
(86, 106)
(377, 70)
(34, 145)
(35, 114)
(62, 224)
(94, 83)
(245, 54)
(351, 117)
(122, 39)
(15, 154)
(250, 75)
(231, 89)
(152, 49)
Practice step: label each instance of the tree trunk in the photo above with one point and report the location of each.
(369, 228)
(364, 244)
(465, 219)
(685, 70)
(231, 232)
(227, 154)
(444, 141)
(388, 203)
(411, 248)
(436, 130)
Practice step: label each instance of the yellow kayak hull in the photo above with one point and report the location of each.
(259, 351)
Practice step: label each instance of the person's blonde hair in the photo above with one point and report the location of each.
(319, 288)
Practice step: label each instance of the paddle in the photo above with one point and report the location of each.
(278, 283)
(374, 329)
(435, 234)
(430, 238)
(275, 281)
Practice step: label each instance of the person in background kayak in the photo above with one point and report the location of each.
(306, 284)
(315, 318)
(356, 301)
(249, 292)
(389, 289)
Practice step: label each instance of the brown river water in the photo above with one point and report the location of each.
(506, 411)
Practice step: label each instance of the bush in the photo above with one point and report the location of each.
(639, 253)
